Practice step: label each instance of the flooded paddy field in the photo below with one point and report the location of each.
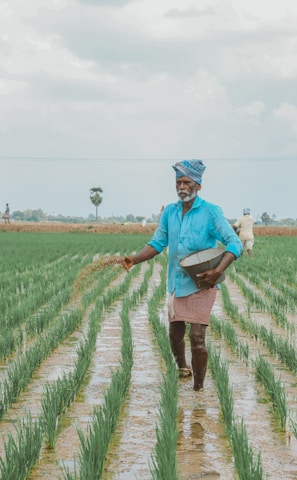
(203, 449)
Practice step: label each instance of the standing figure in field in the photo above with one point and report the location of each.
(6, 214)
(189, 225)
(245, 225)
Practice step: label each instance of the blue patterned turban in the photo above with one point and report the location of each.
(190, 168)
(246, 211)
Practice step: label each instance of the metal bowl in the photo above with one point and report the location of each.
(199, 262)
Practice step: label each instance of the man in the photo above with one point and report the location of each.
(246, 234)
(187, 226)
(6, 215)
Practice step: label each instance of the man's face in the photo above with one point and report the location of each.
(186, 189)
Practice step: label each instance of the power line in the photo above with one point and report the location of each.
(24, 159)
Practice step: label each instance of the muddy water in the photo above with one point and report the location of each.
(203, 450)
(129, 455)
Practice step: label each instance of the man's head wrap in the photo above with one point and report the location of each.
(190, 168)
(246, 211)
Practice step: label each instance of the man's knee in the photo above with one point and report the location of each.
(197, 337)
(177, 331)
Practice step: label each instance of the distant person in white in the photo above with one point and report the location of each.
(244, 227)
(6, 214)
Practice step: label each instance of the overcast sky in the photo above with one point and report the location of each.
(112, 93)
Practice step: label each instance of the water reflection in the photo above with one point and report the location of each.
(191, 441)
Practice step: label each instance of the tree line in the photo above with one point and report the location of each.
(96, 198)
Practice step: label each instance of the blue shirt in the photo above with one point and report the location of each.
(201, 228)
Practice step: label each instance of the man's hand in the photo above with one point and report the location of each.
(207, 279)
(128, 263)
(146, 253)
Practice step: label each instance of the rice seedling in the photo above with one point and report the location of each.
(94, 445)
(274, 389)
(59, 396)
(280, 347)
(276, 307)
(293, 424)
(252, 297)
(24, 449)
(247, 466)
(220, 373)
(22, 369)
(232, 310)
(163, 460)
(227, 331)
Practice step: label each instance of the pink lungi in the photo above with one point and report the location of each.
(195, 308)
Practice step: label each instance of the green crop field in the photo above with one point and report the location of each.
(88, 385)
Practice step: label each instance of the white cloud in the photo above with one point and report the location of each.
(254, 109)
(7, 87)
(189, 12)
(206, 96)
(288, 114)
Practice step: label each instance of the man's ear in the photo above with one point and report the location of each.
(198, 186)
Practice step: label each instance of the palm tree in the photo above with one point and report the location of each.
(96, 198)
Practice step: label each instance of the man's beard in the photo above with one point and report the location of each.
(187, 198)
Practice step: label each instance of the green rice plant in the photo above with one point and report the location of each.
(39, 321)
(216, 325)
(276, 307)
(226, 330)
(22, 369)
(273, 271)
(293, 424)
(243, 351)
(220, 373)
(21, 451)
(94, 445)
(233, 312)
(252, 297)
(246, 466)
(56, 398)
(60, 395)
(274, 389)
(37, 288)
(163, 460)
(280, 347)
(9, 341)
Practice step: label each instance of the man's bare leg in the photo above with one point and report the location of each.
(199, 354)
(177, 332)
